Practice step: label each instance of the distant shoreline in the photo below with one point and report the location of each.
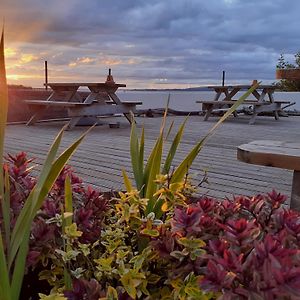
(196, 89)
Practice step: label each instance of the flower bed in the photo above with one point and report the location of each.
(200, 248)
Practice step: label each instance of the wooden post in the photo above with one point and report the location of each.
(46, 75)
(109, 78)
(223, 78)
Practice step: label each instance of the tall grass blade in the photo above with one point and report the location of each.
(169, 130)
(148, 166)
(173, 149)
(38, 195)
(68, 201)
(67, 221)
(154, 170)
(24, 218)
(184, 166)
(5, 291)
(141, 156)
(135, 157)
(153, 155)
(19, 266)
(182, 169)
(4, 282)
(6, 208)
(3, 108)
(127, 182)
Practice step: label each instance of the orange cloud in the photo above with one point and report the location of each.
(27, 58)
(81, 60)
(111, 61)
(10, 52)
(16, 77)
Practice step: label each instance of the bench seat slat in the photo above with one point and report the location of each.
(231, 102)
(70, 104)
(132, 102)
(250, 102)
(55, 103)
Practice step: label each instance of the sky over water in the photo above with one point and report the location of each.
(148, 44)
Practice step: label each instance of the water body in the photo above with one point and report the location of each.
(186, 101)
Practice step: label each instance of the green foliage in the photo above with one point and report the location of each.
(123, 261)
(13, 253)
(147, 177)
(188, 288)
(56, 296)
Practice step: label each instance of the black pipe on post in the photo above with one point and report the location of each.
(223, 78)
(46, 75)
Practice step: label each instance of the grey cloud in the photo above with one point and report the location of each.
(181, 40)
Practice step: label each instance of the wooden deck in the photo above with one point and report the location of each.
(101, 157)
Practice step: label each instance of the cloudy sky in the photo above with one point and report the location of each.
(148, 43)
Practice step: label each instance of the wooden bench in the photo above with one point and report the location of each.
(285, 155)
(77, 110)
(101, 100)
(55, 103)
(208, 106)
(74, 104)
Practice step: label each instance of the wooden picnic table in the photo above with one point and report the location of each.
(224, 98)
(100, 101)
(285, 155)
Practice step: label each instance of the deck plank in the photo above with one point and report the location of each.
(105, 152)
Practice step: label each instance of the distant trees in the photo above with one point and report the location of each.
(18, 87)
(288, 84)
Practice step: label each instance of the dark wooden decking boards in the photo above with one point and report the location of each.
(101, 157)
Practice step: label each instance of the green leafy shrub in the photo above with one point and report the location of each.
(106, 247)
(146, 173)
(14, 240)
(201, 249)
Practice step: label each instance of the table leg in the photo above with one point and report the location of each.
(271, 98)
(35, 116)
(73, 122)
(252, 120)
(115, 98)
(82, 121)
(209, 109)
(295, 197)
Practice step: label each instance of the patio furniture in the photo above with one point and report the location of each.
(285, 155)
(224, 99)
(101, 101)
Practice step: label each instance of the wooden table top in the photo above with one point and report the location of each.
(285, 155)
(92, 84)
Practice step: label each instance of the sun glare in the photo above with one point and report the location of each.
(27, 58)
(10, 52)
(16, 77)
(13, 77)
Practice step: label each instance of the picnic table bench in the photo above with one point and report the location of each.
(100, 101)
(223, 100)
(285, 155)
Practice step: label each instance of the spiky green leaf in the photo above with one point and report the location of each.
(173, 149)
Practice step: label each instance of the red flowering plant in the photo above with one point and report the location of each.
(89, 209)
(200, 249)
(251, 246)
